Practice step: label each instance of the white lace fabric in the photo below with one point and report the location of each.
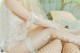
(16, 29)
(18, 32)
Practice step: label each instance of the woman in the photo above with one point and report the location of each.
(16, 36)
(12, 24)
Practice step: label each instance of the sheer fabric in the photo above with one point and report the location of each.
(12, 27)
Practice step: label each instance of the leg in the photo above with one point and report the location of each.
(63, 35)
(43, 37)
(66, 36)
(38, 40)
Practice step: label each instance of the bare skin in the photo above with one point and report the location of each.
(25, 15)
(15, 7)
(39, 40)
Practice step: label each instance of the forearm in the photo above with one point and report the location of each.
(44, 22)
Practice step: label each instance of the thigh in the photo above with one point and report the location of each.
(38, 40)
(42, 37)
